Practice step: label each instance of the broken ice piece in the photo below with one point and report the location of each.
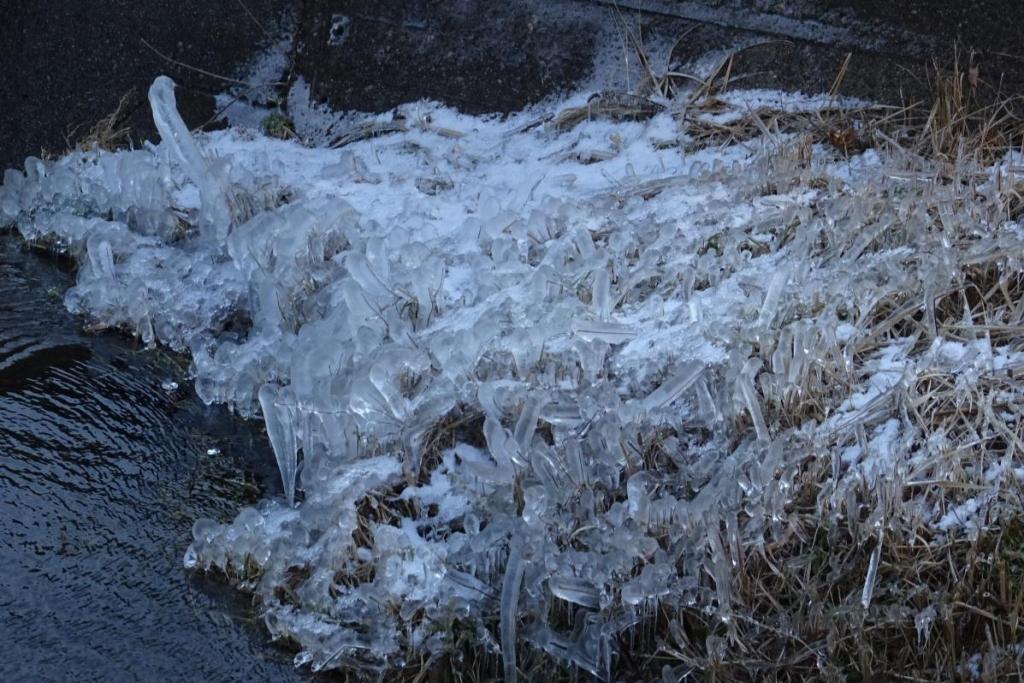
(772, 296)
(526, 425)
(745, 383)
(601, 294)
(674, 387)
(595, 330)
(576, 591)
(500, 444)
(565, 412)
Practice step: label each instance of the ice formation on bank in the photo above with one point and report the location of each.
(505, 367)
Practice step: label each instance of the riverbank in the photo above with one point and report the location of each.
(734, 334)
(609, 385)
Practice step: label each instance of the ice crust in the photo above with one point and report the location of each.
(496, 377)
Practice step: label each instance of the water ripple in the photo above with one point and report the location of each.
(101, 474)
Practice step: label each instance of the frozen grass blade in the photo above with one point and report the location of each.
(511, 586)
(872, 575)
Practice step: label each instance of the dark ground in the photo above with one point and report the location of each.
(484, 56)
(478, 55)
(66, 63)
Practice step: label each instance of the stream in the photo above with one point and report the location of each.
(104, 464)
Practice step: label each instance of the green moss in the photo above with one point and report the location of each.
(277, 125)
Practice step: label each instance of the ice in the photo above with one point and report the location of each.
(502, 384)
(215, 215)
(612, 333)
(923, 623)
(281, 421)
(510, 587)
(674, 387)
(869, 581)
(745, 383)
(575, 591)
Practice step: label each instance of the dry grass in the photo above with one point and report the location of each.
(969, 119)
(612, 106)
(858, 586)
(112, 132)
(800, 617)
(799, 605)
(853, 583)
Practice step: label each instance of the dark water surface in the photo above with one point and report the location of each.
(102, 471)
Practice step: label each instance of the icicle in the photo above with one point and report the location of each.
(281, 424)
(501, 446)
(215, 214)
(720, 569)
(749, 394)
(526, 425)
(923, 623)
(510, 587)
(601, 294)
(674, 387)
(613, 333)
(575, 591)
(772, 295)
(869, 580)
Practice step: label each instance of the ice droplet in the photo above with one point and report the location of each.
(191, 559)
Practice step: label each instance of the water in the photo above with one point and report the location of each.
(103, 466)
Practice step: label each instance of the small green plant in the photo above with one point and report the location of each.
(278, 125)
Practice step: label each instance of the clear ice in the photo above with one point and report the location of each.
(214, 214)
(497, 377)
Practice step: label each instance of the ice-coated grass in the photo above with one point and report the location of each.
(737, 411)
